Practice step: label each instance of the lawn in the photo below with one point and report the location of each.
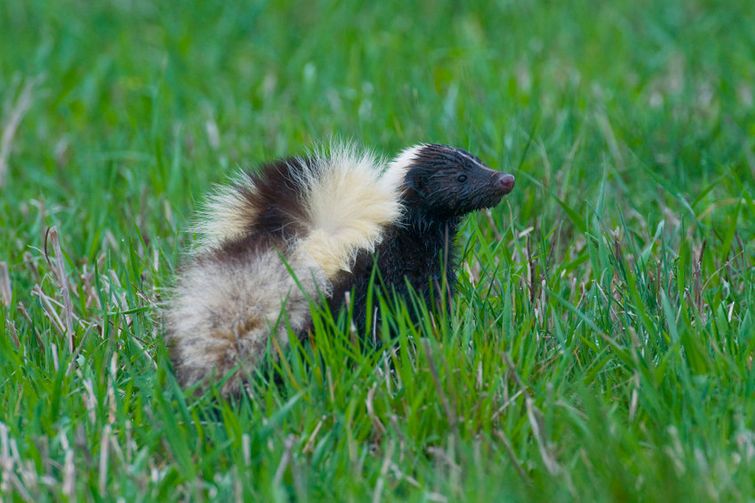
(601, 343)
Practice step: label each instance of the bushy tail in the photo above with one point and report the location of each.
(348, 204)
(309, 217)
(332, 204)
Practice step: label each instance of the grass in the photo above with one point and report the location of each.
(601, 345)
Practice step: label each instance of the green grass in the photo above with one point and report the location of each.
(601, 346)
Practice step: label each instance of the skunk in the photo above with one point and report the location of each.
(271, 242)
(416, 255)
(274, 241)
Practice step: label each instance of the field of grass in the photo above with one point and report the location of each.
(601, 346)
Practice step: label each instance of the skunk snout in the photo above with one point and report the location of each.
(504, 182)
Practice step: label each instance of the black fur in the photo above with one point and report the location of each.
(271, 191)
(278, 198)
(442, 185)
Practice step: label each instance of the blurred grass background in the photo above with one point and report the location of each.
(602, 344)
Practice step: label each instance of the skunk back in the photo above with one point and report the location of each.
(270, 243)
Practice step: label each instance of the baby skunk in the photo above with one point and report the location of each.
(441, 185)
(270, 244)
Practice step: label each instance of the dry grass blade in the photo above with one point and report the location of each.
(309, 446)
(5, 288)
(377, 495)
(285, 460)
(512, 369)
(537, 429)
(507, 403)
(47, 308)
(104, 459)
(510, 453)
(69, 470)
(6, 462)
(59, 269)
(371, 410)
(15, 116)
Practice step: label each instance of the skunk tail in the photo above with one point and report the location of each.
(270, 243)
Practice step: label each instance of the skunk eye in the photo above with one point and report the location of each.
(461, 178)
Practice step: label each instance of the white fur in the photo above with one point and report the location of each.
(349, 203)
(225, 215)
(398, 167)
(223, 314)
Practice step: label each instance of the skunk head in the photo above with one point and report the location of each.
(448, 182)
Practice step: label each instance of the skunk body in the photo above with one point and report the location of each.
(271, 243)
(274, 241)
(441, 185)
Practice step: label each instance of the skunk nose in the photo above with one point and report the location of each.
(504, 182)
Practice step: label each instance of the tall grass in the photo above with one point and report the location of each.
(600, 346)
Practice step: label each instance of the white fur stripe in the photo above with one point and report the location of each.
(226, 214)
(348, 203)
(396, 171)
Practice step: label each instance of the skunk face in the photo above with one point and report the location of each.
(448, 182)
